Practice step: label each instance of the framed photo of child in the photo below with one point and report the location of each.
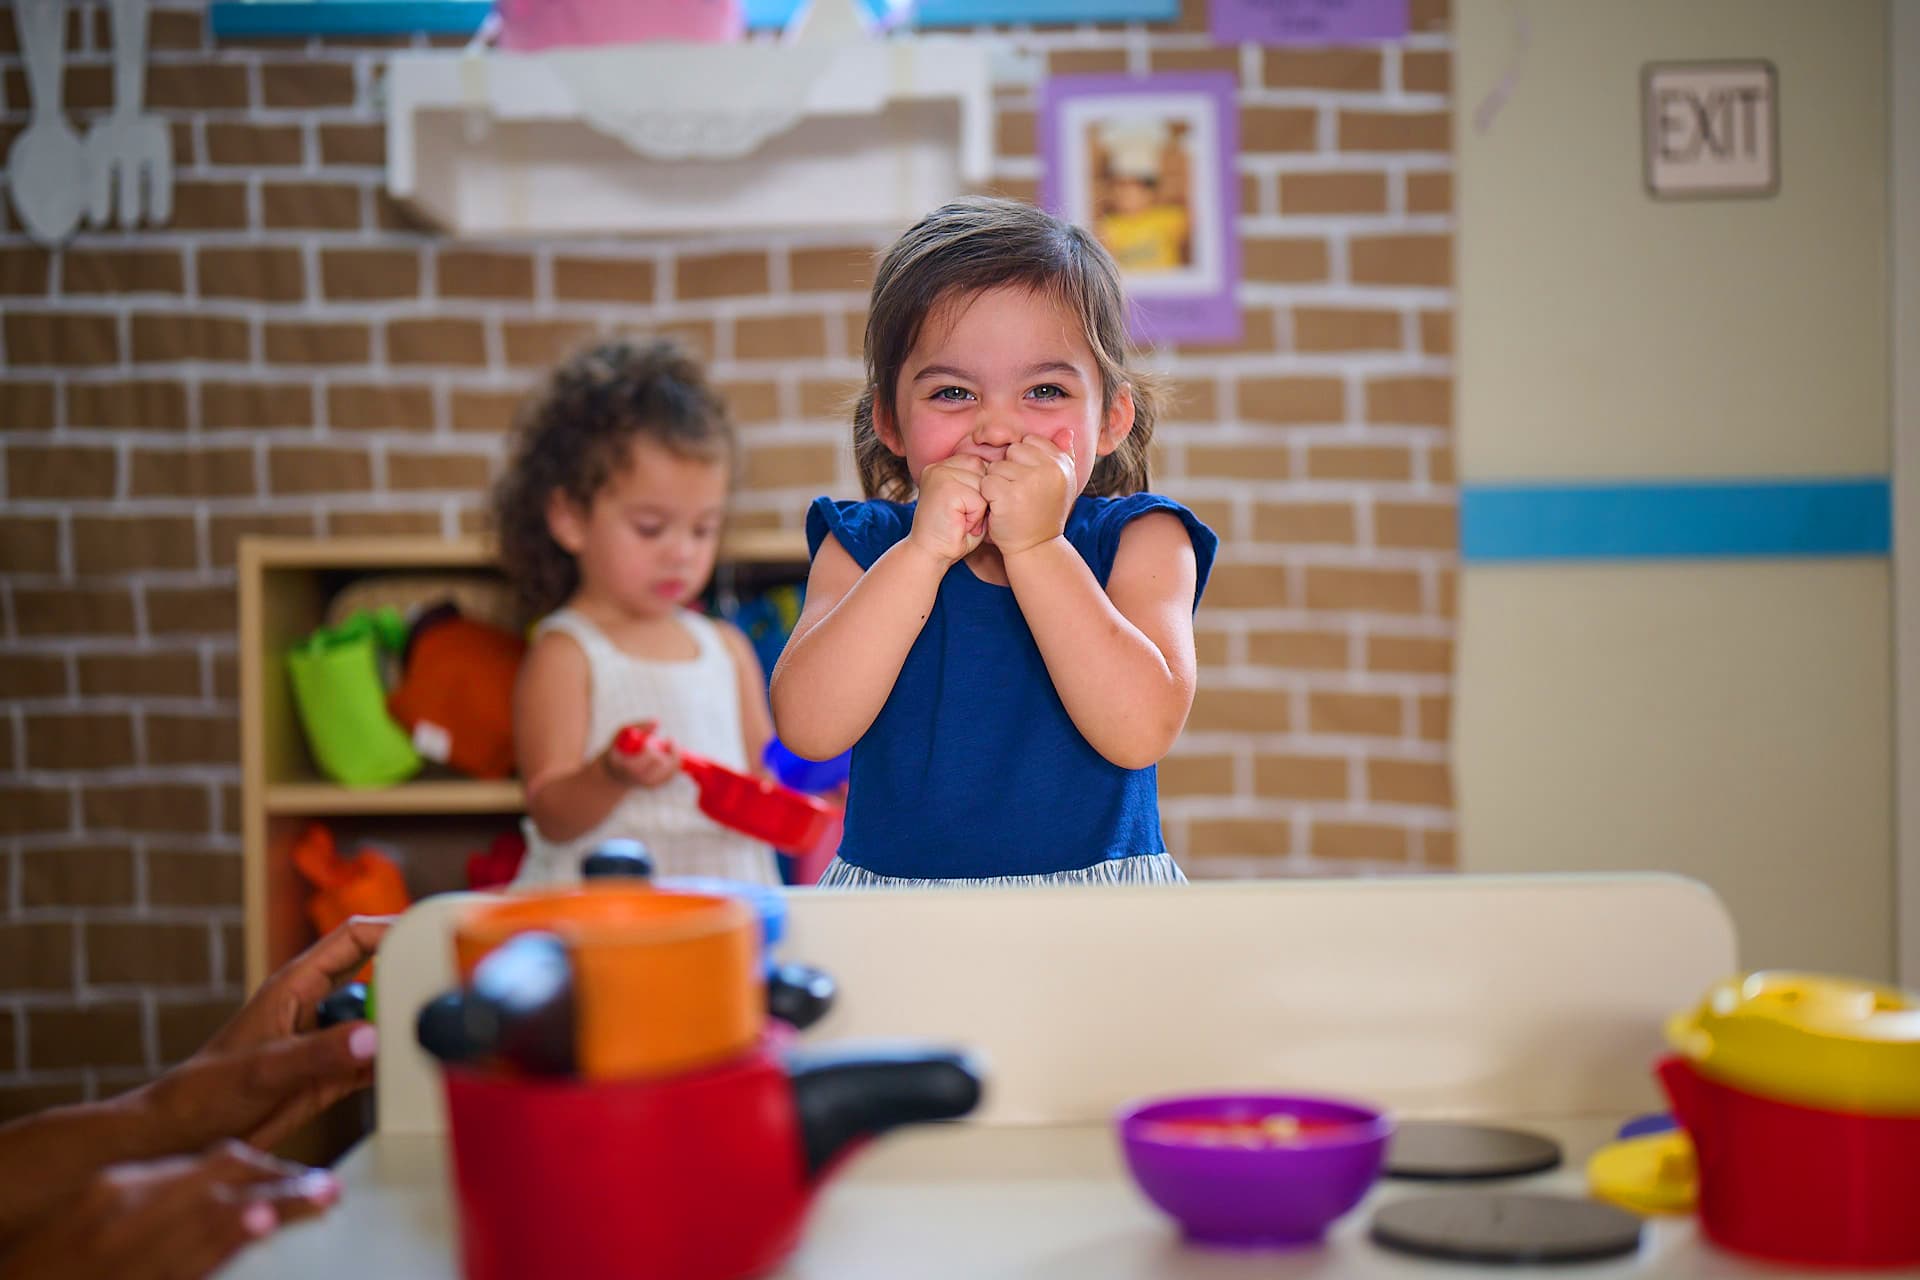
(1146, 163)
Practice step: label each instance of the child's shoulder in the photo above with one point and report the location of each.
(1097, 526)
(864, 529)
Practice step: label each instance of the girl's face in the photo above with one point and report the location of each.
(647, 542)
(991, 368)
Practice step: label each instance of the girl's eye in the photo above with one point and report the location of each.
(649, 530)
(706, 531)
(953, 395)
(1048, 391)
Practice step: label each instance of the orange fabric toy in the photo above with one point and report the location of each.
(456, 692)
(367, 884)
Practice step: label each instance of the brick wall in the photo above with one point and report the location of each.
(294, 354)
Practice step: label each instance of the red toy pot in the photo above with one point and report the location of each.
(782, 817)
(1798, 1184)
(702, 1177)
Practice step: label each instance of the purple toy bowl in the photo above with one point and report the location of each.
(1252, 1170)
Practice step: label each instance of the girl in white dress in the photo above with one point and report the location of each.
(609, 520)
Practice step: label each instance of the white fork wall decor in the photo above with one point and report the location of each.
(54, 174)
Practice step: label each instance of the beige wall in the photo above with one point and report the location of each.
(1729, 720)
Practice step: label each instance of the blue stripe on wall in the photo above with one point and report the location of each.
(239, 18)
(1731, 519)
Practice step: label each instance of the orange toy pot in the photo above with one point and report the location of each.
(664, 982)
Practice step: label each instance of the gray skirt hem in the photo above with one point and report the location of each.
(1145, 868)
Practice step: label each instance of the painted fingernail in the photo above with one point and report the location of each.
(319, 1186)
(258, 1218)
(363, 1043)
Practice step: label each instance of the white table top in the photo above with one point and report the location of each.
(966, 1202)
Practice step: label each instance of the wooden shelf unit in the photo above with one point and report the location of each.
(285, 585)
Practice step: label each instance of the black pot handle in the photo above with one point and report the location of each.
(799, 995)
(845, 1094)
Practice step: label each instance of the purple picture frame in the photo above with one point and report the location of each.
(1196, 301)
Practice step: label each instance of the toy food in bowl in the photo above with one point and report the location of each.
(1254, 1169)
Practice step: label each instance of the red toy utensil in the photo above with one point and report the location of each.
(786, 819)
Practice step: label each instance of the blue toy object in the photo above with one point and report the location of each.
(1641, 1126)
(802, 774)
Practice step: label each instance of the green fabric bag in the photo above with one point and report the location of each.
(343, 706)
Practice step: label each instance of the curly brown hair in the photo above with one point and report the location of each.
(575, 433)
(969, 247)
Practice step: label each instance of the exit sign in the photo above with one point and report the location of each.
(1711, 129)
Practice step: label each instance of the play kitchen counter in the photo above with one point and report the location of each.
(1533, 1002)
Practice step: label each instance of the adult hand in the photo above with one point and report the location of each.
(950, 519)
(285, 1004)
(1030, 491)
(173, 1219)
(259, 1092)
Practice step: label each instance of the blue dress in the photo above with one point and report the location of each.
(973, 769)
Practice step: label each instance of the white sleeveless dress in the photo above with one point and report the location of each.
(696, 703)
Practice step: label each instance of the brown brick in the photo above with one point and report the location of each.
(1210, 648)
(1359, 462)
(29, 544)
(720, 275)
(1423, 525)
(1298, 650)
(108, 544)
(1175, 61)
(1421, 655)
(414, 471)
(178, 807)
(86, 876)
(31, 675)
(254, 406)
(61, 339)
(1016, 133)
(469, 273)
(855, 333)
(1369, 590)
(1429, 15)
(792, 337)
(1413, 402)
(1252, 198)
(299, 470)
(1305, 522)
(367, 274)
(298, 342)
(1333, 70)
(34, 808)
(1373, 840)
(26, 406)
(1087, 62)
(145, 674)
(541, 343)
(1184, 775)
(225, 531)
(485, 410)
(829, 399)
(300, 85)
(1345, 329)
(209, 206)
(799, 466)
(1293, 400)
(476, 522)
(842, 270)
(1365, 714)
(183, 739)
(436, 340)
(209, 473)
(185, 1027)
(1247, 586)
(151, 954)
(1409, 782)
(123, 271)
(1294, 260)
(1426, 71)
(234, 940)
(1257, 335)
(310, 206)
(352, 407)
(145, 404)
(383, 523)
(60, 472)
(266, 275)
(1437, 849)
(1402, 260)
(1436, 332)
(21, 1100)
(1436, 715)
(175, 29)
(226, 675)
(25, 272)
(1215, 513)
(390, 213)
(628, 280)
(353, 144)
(1440, 465)
(751, 402)
(1189, 400)
(93, 1035)
(1239, 711)
(63, 611)
(196, 86)
(37, 956)
(9, 1061)
(85, 87)
(255, 146)
(163, 339)
(1279, 129)
(1298, 777)
(1396, 131)
(1239, 838)
(195, 610)
(1311, 193)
